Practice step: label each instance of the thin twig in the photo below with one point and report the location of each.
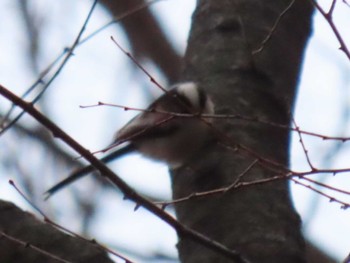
(328, 17)
(240, 176)
(240, 185)
(306, 152)
(61, 66)
(128, 54)
(344, 205)
(273, 29)
(325, 185)
(222, 116)
(163, 204)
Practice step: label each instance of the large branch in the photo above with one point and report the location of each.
(26, 239)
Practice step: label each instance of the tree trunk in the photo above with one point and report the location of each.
(223, 57)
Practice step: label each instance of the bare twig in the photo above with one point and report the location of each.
(326, 186)
(328, 17)
(303, 145)
(163, 204)
(240, 185)
(223, 116)
(128, 54)
(273, 28)
(344, 205)
(63, 63)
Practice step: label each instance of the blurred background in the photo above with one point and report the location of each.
(36, 33)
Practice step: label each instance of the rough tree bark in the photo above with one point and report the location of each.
(259, 221)
(21, 234)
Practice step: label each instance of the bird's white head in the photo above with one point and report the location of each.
(173, 129)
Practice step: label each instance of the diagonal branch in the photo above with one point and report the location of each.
(117, 181)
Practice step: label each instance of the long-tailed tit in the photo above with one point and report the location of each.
(172, 130)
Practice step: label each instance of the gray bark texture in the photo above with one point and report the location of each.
(25, 239)
(258, 221)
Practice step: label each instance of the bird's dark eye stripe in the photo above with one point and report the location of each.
(159, 131)
(182, 99)
(202, 99)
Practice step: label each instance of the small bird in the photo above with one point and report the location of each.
(172, 130)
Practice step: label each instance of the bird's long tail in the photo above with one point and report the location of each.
(87, 169)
